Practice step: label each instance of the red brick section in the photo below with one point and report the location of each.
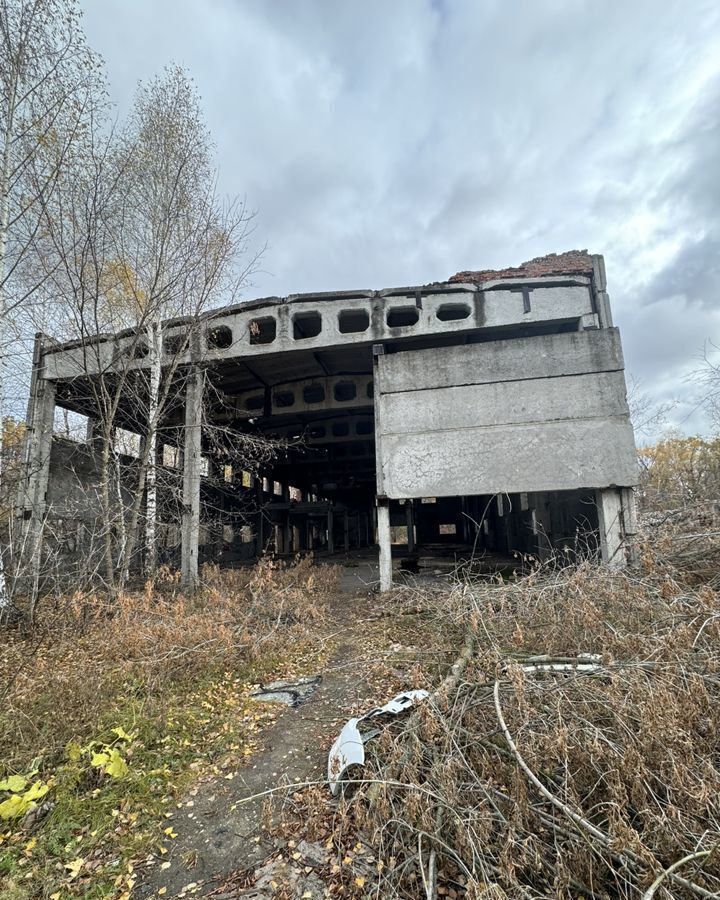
(574, 262)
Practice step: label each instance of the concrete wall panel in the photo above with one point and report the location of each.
(536, 414)
(598, 395)
(534, 357)
(564, 455)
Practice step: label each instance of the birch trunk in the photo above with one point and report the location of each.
(4, 226)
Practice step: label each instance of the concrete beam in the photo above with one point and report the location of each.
(561, 299)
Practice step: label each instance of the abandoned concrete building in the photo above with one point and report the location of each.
(484, 414)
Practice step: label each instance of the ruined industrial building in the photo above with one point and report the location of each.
(482, 415)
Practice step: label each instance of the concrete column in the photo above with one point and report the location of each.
(346, 530)
(303, 533)
(191, 479)
(33, 488)
(384, 541)
(612, 527)
(541, 526)
(217, 475)
(630, 524)
(410, 523)
(287, 542)
(260, 527)
(331, 529)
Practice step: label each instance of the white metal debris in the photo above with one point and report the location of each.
(349, 750)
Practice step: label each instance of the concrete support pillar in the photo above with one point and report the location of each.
(216, 472)
(541, 526)
(287, 532)
(331, 529)
(617, 525)
(303, 534)
(260, 521)
(191, 479)
(410, 523)
(33, 489)
(346, 530)
(385, 543)
(630, 524)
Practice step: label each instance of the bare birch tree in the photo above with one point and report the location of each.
(49, 83)
(139, 235)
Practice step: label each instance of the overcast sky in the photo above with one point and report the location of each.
(396, 142)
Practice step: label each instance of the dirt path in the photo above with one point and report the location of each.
(216, 833)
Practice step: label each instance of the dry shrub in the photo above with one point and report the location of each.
(685, 541)
(90, 653)
(630, 746)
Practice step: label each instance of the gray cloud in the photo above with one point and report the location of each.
(396, 143)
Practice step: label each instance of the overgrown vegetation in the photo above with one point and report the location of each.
(111, 708)
(574, 753)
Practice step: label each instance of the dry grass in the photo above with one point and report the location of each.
(520, 781)
(89, 653)
(685, 541)
(174, 673)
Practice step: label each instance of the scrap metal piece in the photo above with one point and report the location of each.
(349, 747)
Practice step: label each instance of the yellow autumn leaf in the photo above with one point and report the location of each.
(360, 881)
(14, 806)
(14, 783)
(36, 791)
(121, 733)
(116, 767)
(99, 759)
(162, 891)
(74, 867)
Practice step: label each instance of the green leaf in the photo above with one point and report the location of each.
(14, 783)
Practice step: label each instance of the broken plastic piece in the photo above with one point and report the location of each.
(349, 747)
